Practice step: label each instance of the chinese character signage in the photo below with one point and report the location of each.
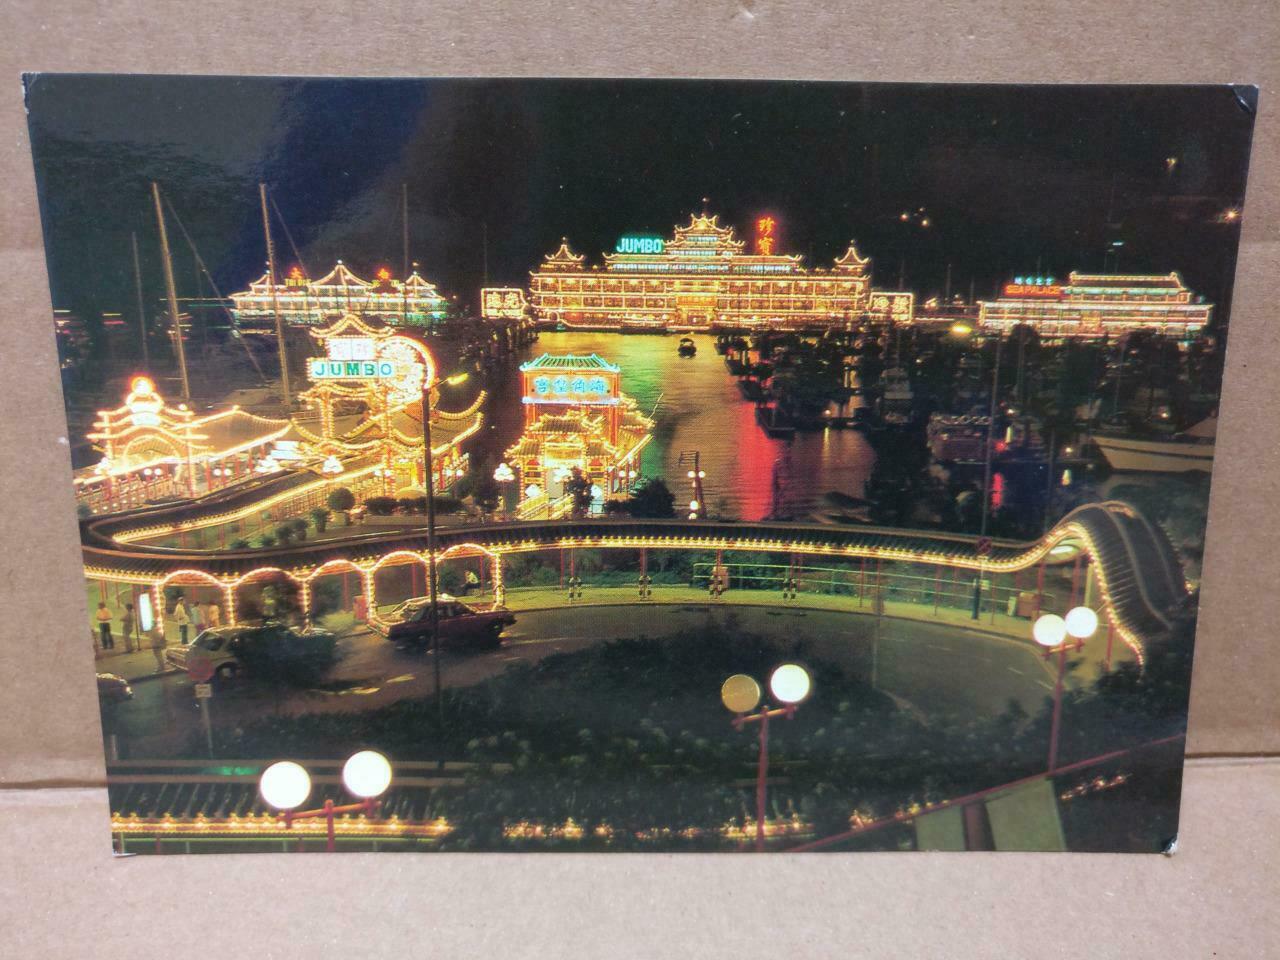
(502, 303)
(766, 236)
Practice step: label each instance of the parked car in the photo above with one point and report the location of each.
(462, 624)
(113, 688)
(221, 647)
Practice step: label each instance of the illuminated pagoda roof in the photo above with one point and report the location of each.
(145, 432)
(584, 431)
(570, 362)
(701, 246)
(1167, 283)
(564, 257)
(340, 276)
(851, 261)
(705, 232)
(419, 284)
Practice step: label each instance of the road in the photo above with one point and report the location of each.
(934, 668)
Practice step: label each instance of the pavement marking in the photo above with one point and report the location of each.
(934, 646)
(1015, 670)
(1045, 684)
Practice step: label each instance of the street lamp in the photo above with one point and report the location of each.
(789, 684)
(286, 785)
(1051, 631)
(504, 476)
(429, 484)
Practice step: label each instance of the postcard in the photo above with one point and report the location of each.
(651, 466)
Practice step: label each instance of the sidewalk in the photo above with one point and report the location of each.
(139, 665)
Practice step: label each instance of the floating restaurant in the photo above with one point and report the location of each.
(576, 417)
(152, 450)
(702, 278)
(367, 393)
(365, 403)
(413, 302)
(1093, 306)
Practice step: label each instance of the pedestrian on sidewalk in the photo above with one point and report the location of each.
(103, 616)
(182, 619)
(197, 618)
(158, 643)
(126, 627)
(212, 615)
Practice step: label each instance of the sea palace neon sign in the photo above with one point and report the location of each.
(571, 389)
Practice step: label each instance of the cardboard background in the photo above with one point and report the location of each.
(65, 897)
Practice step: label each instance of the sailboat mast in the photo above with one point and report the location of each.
(142, 308)
(171, 291)
(404, 273)
(275, 305)
(404, 226)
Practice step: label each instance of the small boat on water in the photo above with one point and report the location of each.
(1178, 453)
(687, 347)
(777, 427)
(897, 400)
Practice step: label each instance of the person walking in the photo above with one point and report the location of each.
(197, 618)
(158, 644)
(126, 627)
(212, 615)
(182, 619)
(103, 616)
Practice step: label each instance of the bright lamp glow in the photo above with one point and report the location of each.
(146, 615)
(740, 693)
(790, 683)
(1050, 630)
(367, 774)
(1081, 623)
(285, 785)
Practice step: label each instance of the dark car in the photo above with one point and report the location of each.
(113, 688)
(461, 624)
(221, 647)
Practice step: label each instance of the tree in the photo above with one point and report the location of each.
(239, 544)
(299, 527)
(486, 493)
(320, 517)
(651, 498)
(342, 500)
(285, 533)
(266, 540)
(279, 657)
(380, 506)
(578, 486)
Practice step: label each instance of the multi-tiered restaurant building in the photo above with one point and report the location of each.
(301, 300)
(1093, 306)
(704, 278)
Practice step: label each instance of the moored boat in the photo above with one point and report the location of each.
(1178, 453)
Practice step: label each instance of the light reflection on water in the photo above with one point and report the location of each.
(698, 407)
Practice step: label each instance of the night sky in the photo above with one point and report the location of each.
(1009, 176)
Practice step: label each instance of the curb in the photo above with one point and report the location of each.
(706, 605)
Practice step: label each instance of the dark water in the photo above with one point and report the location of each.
(697, 406)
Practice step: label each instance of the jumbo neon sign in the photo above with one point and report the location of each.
(639, 243)
(352, 370)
